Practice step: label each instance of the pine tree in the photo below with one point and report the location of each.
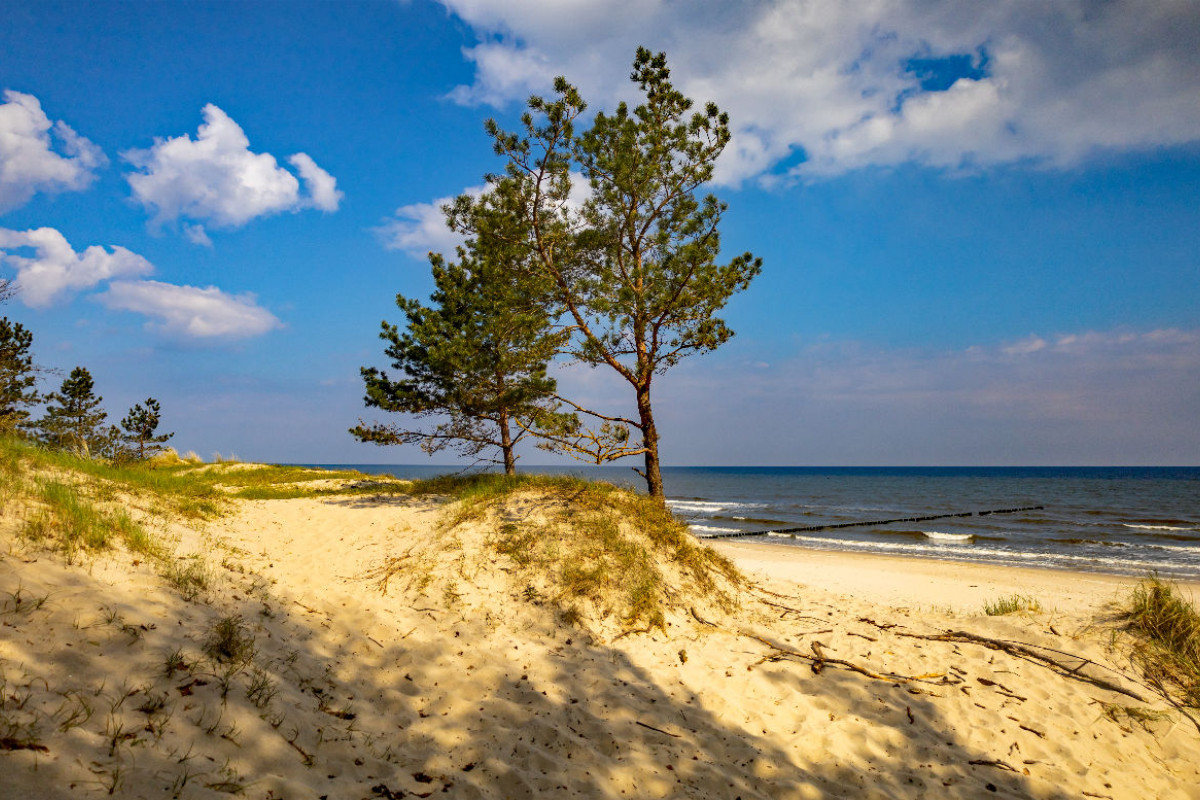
(140, 427)
(635, 271)
(73, 419)
(18, 378)
(473, 361)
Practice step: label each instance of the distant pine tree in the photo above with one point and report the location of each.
(18, 379)
(140, 427)
(74, 420)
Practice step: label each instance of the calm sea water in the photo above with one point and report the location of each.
(1124, 520)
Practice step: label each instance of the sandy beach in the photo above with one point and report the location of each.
(838, 676)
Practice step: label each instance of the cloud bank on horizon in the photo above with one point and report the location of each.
(816, 88)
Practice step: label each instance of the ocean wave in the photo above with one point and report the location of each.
(708, 531)
(709, 507)
(1011, 556)
(960, 538)
(1158, 527)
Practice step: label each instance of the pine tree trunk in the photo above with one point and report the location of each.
(652, 473)
(506, 445)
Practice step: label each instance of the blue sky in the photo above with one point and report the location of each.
(978, 222)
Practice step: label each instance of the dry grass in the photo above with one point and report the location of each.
(1167, 629)
(595, 553)
(1012, 604)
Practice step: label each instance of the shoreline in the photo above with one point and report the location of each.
(901, 581)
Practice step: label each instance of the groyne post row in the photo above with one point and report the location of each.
(809, 528)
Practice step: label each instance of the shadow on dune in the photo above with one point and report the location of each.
(365, 710)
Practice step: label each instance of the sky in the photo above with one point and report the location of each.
(980, 223)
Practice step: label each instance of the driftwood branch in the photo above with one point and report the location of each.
(1029, 653)
(819, 660)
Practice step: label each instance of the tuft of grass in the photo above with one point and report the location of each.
(189, 576)
(229, 642)
(1011, 605)
(1167, 628)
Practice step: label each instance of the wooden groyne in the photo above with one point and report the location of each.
(810, 528)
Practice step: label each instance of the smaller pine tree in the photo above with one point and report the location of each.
(18, 379)
(74, 420)
(140, 427)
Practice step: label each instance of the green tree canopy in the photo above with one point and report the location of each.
(634, 271)
(18, 376)
(140, 429)
(472, 363)
(73, 418)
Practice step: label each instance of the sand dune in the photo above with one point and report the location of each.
(469, 688)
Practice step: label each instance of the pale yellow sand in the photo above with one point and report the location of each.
(471, 690)
(932, 584)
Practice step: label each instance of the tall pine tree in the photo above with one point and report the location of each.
(18, 378)
(634, 272)
(73, 419)
(472, 363)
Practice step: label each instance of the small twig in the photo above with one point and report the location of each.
(997, 763)
(660, 730)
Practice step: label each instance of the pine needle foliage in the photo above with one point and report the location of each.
(471, 365)
(635, 269)
(18, 377)
(73, 420)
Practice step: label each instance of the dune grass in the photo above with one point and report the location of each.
(72, 523)
(1011, 605)
(1167, 628)
(598, 550)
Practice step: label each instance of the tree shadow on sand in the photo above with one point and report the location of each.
(402, 698)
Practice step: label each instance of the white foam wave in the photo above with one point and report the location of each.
(960, 538)
(1190, 554)
(708, 506)
(1159, 527)
(708, 531)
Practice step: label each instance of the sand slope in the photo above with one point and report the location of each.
(467, 689)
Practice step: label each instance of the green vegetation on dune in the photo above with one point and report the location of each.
(1167, 628)
(591, 550)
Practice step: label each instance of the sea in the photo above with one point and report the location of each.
(1118, 520)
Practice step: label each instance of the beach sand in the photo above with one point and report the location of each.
(454, 683)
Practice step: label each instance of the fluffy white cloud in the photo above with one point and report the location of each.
(823, 86)
(216, 178)
(28, 161)
(54, 269)
(191, 312)
(420, 228)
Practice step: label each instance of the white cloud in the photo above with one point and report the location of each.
(28, 161)
(191, 312)
(55, 269)
(218, 179)
(833, 81)
(322, 187)
(420, 228)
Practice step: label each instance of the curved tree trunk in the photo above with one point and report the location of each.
(652, 473)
